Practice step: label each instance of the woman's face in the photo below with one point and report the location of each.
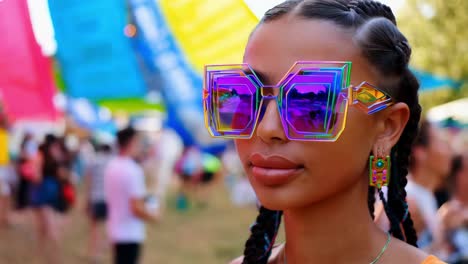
(438, 153)
(462, 178)
(287, 174)
(56, 151)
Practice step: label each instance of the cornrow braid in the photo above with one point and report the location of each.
(390, 52)
(397, 192)
(369, 9)
(371, 201)
(396, 232)
(263, 234)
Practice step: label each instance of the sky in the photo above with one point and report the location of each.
(43, 28)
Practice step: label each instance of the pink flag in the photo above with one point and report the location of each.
(26, 83)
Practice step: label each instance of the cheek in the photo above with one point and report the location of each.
(347, 158)
(331, 167)
(244, 148)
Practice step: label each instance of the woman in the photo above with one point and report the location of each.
(319, 144)
(46, 197)
(454, 216)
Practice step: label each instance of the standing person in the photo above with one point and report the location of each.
(95, 200)
(46, 201)
(430, 166)
(453, 216)
(190, 168)
(125, 192)
(27, 169)
(316, 138)
(5, 188)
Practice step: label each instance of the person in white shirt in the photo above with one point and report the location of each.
(125, 193)
(429, 167)
(453, 215)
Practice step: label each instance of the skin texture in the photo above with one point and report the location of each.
(325, 205)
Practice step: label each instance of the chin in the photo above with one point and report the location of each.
(282, 198)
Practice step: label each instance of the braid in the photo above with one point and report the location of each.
(262, 238)
(397, 192)
(390, 52)
(369, 9)
(371, 201)
(395, 231)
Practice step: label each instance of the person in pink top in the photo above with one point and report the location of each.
(323, 110)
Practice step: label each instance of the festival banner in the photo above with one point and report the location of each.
(96, 57)
(179, 37)
(26, 85)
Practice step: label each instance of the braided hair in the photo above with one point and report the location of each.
(389, 52)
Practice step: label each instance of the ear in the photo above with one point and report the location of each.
(394, 121)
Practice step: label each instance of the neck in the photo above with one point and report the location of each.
(337, 230)
(124, 154)
(425, 178)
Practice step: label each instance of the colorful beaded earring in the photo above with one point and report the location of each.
(379, 169)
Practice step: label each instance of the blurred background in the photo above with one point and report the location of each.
(78, 71)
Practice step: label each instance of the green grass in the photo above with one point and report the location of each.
(210, 235)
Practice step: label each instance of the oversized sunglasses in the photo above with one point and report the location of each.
(312, 99)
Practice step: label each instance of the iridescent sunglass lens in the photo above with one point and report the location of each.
(230, 101)
(314, 101)
(234, 103)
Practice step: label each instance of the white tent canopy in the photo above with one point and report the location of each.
(457, 110)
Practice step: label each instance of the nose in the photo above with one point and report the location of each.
(270, 129)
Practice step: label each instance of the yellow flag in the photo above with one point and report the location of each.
(4, 151)
(210, 32)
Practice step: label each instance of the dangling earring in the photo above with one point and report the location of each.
(379, 169)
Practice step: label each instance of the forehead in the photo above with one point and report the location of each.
(276, 45)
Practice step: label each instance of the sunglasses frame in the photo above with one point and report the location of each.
(365, 96)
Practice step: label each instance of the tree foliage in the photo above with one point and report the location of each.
(438, 33)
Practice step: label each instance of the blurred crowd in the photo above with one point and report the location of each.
(437, 192)
(118, 184)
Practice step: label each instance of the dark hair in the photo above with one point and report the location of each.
(104, 148)
(422, 139)
(389, 52)
(125, 136)
(457, 165)
(50, 139)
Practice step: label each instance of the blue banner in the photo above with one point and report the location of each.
(430, 82)
(96, 57)
(182, 85)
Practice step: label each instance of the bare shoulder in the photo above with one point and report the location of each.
(401, 252)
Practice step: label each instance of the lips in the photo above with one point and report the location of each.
(274, 170)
